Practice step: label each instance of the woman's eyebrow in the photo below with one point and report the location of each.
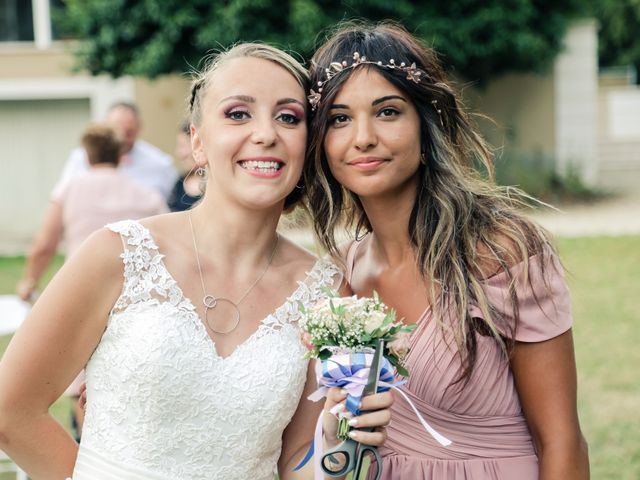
(374, 103)
(284, 101)
(387, 97)
(243, 98)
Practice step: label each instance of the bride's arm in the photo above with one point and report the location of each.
(50, 348)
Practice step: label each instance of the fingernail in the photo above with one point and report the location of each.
(353, 434)
(344, 392)
(337, 408)
(353, 422)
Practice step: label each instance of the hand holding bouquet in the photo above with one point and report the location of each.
(343, 332)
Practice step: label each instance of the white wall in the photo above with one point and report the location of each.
(35, 139)
(619, 138)
(576, 102)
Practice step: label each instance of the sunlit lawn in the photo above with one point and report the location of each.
(605, 283)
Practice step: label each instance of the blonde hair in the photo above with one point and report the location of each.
(242, 50)
(248, 50)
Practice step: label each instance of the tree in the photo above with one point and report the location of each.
(478, 38)
(618, 34)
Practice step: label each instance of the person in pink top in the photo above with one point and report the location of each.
(86, 203)
(491, 363)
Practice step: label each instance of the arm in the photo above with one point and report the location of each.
(42, 250)
(545, 377)
(48, 351)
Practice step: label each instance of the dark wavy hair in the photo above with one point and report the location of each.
(461, 220)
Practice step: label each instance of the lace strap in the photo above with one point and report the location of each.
(323, 275)
(141, 261)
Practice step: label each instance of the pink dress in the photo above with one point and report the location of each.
(483, 418)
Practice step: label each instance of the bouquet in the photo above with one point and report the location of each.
(343, 333)
(352, 324)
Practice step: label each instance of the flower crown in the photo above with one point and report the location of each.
(413, 73)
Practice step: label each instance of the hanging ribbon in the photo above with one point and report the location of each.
(350, 371)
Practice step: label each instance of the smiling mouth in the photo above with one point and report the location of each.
(264, 166)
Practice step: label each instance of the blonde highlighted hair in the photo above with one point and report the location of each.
(461, 220)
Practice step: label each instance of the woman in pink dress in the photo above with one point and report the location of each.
(491, 363)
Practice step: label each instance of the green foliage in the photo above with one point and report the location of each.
(11, 269)
(618, 34)
(479, 38)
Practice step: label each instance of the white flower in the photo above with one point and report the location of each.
(374, 320)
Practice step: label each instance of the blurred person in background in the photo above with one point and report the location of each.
(188, 188)
(140, 160)
(84, 204)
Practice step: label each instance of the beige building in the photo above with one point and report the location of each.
(45, 105)
(572, 116)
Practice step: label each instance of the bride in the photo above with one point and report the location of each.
(186, 322)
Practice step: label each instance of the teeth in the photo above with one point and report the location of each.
(261, 165)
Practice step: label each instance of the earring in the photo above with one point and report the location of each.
(201, 171)
(423, 158)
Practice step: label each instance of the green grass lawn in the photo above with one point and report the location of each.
(605, 285)
(604, 275)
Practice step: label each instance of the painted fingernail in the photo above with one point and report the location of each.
(353, 422)
(337, 408)
(353, 434)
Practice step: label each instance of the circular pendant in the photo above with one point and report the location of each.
(222, 311)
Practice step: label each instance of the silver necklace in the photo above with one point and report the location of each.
(210, 302)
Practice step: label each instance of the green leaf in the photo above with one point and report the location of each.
(402, 370)
(324, 354)
(479, 39)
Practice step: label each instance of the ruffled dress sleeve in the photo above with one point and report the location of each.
(543, 299)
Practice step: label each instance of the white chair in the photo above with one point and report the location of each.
(12, 313)
(6, 465)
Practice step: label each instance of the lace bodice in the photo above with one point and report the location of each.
(163, 402)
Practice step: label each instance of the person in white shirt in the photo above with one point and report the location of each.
(140, 160)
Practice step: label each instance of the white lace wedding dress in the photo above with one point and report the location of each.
(162, 404)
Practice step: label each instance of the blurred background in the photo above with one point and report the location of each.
(558, 79)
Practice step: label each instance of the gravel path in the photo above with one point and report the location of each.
(613, 217)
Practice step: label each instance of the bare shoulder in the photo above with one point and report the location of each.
(165, 228)
(165, 223)
(101, 251)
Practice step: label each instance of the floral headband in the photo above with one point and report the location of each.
(413, 73)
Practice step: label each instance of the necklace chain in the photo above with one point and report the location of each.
(210, 301)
